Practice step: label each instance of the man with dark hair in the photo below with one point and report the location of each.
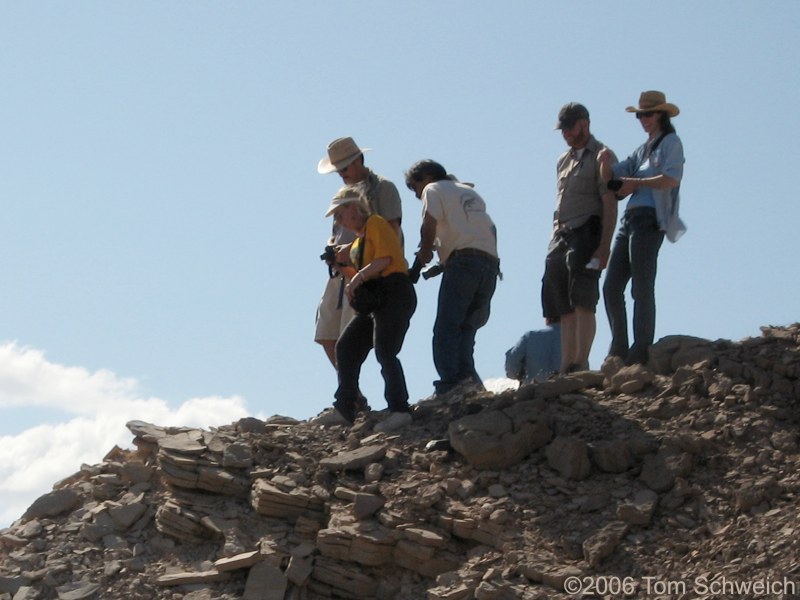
(583, 224)
(455, 222)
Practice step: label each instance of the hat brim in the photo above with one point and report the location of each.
(337, 202)
(568, 125)
(667, 107)
(325, 165)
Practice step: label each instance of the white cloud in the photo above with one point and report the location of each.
(95, 406)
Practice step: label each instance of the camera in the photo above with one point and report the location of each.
(329, 256)
(614, 185)
(433, 271)
(416, 270)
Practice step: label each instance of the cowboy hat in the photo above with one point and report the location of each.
(341, 152)
(654, 101)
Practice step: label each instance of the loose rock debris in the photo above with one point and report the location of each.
(675, 480)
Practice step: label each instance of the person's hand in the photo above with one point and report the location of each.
(602, 255)
(629, 185)
(425, 256)
(353, 285)
(343, 254)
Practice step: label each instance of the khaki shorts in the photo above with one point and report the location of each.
(331, 318)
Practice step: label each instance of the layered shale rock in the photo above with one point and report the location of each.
(683, 470)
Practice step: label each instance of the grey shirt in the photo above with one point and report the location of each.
(580, 186)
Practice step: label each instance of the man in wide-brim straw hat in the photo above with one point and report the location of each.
(341, 153)
(346, 158)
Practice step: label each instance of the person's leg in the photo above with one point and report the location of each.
(555, 297)
(585, 329)
(584, 293)
(456, 293)
(568, 341)
(618, 274)
(329, 346)
(352, 350)
(485, 272)
(391, 324)
(329, 318)
(646, 240)
(578, 329)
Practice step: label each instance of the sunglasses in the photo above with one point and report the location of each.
(647, 113)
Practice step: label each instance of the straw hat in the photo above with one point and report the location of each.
(654, 101)
(341, 152)
(346, 195)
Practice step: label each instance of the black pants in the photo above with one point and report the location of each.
(384, 329)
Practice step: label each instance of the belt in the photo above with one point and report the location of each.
(640, 209)
(473, 252)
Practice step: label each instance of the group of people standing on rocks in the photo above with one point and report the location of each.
(369, 298)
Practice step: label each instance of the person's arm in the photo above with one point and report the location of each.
(609, 223)
(370, 271)
(395, 224)
(657, 182)
(605, 158)
(427, 240)
(515, 359)
(671, 169)
(389, 205)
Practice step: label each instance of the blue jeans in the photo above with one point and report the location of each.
(465, 295)
(634, 258)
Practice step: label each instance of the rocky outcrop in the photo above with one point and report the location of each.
(683, 469)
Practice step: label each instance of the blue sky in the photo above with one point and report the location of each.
(162, 216)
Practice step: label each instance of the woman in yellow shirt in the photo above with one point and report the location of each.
(377, 256)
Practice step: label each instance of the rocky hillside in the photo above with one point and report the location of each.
(679, 480)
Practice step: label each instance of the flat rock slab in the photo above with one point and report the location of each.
(354, 459)
(77, 591)
(188, 442)
(188, 578)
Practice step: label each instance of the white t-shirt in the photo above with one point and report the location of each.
(461, 218)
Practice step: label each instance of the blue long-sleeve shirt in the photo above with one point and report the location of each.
(536, 355)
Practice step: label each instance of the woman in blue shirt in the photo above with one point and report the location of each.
(652, 177)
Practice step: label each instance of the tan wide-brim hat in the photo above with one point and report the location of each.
(341, 152)
(655, 101)
(346, 195)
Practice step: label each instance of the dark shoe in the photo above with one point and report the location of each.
(636, 358)
(346, 409)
